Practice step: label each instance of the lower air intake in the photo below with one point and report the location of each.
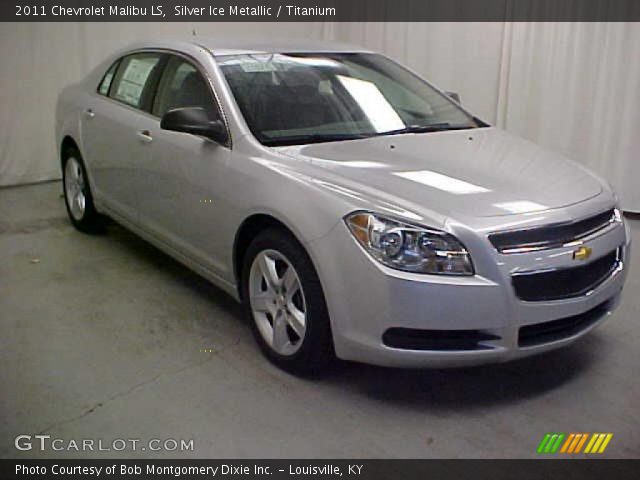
(437, 340)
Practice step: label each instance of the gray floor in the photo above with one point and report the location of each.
(103, 337)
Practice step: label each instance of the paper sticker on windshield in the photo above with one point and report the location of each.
(257, 67)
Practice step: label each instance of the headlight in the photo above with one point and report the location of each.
(408, 247)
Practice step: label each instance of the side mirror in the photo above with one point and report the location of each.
(454, 96)
(194, 120)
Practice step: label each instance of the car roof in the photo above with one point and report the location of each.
(226, 46)
(234, 46)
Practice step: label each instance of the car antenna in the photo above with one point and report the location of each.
(193, 32)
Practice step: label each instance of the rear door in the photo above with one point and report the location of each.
(183, 199)
(113, 142)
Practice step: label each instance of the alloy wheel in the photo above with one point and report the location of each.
(277, 302)
(74, 186)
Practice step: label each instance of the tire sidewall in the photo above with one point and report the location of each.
(88, 222)
(316, 349)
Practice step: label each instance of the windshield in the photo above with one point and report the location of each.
(298, 98)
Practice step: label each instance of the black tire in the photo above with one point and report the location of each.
(315, 353)
(90, 221)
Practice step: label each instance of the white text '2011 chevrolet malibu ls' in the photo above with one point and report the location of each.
(352, 207)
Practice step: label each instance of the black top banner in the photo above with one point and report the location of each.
(320, 10)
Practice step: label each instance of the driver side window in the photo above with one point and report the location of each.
(183, 85)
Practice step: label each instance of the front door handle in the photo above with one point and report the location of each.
(145, 136)
(89, 113)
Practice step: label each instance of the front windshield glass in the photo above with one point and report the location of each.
(298, 98)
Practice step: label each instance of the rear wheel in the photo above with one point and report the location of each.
(285, 302)
(77, 193)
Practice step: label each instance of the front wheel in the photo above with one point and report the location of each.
(284, 299)
(77, 193)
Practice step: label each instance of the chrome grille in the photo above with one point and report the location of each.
(551, 236)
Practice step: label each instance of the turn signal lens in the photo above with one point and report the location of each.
(409, 248)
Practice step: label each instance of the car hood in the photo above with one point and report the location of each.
(478, 172)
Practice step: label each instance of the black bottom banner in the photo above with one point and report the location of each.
(320, 469)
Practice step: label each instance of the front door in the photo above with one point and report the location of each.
(181, 194)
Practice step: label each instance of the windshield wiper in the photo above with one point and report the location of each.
(433, 127)
(313, 138)
(336, 137)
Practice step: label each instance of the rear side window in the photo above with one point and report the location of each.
(103, 89)
(134, 79)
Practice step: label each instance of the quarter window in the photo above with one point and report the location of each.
(103, 89)
(134, 79)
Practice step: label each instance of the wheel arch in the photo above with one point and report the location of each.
(248, 230)
(67, 143)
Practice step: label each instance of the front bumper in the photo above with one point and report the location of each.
(366, 299)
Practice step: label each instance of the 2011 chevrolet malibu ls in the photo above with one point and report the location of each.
(355, 210)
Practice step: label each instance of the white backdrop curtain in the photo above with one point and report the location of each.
(574, 87)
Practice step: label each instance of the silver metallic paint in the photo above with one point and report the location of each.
(155, 189)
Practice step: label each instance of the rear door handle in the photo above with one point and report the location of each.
(145, 136)
(89, 113)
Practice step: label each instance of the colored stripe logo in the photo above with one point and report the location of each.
(573, 443)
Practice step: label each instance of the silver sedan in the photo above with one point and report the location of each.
(356, 210)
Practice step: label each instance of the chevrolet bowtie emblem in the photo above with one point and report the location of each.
(582, 253)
